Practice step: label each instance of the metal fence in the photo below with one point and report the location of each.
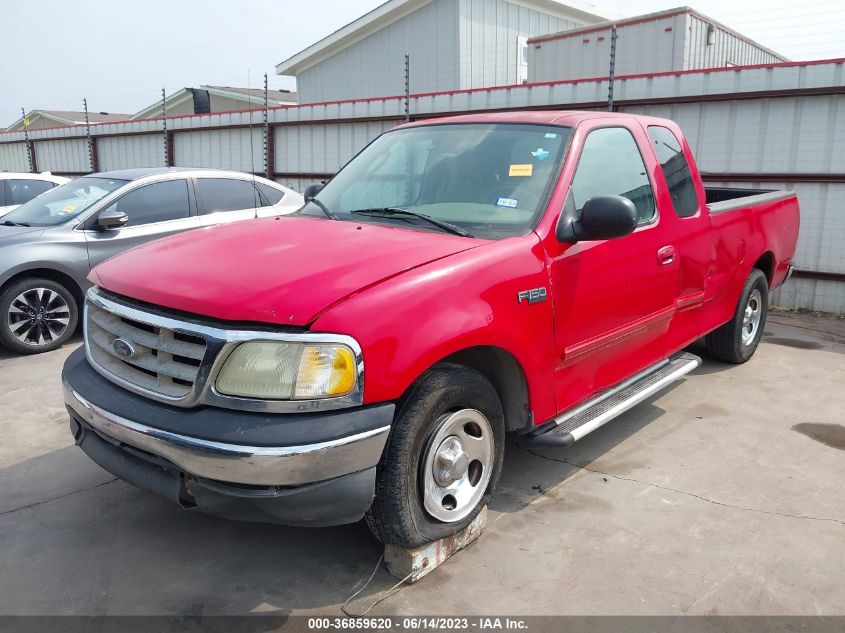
(768, 126)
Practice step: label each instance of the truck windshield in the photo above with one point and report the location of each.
(63, 203)
(489, 180)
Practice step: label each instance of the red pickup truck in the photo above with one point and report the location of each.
(532, 273)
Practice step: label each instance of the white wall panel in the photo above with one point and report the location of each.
(13, 157)
(323, 149)
(222, 149)
(63, 156)
(130, 151)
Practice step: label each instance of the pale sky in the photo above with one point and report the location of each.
(120, 54)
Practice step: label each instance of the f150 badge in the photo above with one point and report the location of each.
(535, 295)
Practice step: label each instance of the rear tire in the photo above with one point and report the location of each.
(37, 315)
(737, 340)
(442, 460)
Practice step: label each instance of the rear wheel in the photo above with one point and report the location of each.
(737, 340)
(442, 460)
(36, 315)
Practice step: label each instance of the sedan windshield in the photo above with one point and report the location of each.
(62, 203)
(487, 180)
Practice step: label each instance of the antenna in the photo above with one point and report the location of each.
(251, 150)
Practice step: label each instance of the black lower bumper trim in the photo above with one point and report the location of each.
(334, 502)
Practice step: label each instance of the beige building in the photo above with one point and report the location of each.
(41, 119)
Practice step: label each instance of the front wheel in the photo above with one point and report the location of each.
(737, 340)
(442, 460)
(36, 315)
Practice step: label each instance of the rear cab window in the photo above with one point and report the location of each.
(673, 163)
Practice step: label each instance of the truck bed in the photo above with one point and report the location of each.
(721, 199)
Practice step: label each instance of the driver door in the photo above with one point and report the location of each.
(613, 299)
(155, 210)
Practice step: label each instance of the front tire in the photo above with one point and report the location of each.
(442, 460)
(737, 340)
(36, 315)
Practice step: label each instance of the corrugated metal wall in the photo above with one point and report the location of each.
(775, 135)
(13, 157)
(239, 149)
(764, 127)
(63, 156)
(643, 47)
(728, 49)
(489, 35)
(323, 149)
(123, 152)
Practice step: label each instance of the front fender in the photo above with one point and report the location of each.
(408, 323)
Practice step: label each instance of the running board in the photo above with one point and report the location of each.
(586, 418)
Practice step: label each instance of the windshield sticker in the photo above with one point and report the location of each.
(507, 202)
(551, 135)
(68, 209)
(541, 154)
(521, 170)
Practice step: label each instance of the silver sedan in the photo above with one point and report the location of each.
(49, 244)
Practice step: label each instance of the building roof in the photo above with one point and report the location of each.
(386, 14)
(650, 17)
(252, 98)
(71, 117)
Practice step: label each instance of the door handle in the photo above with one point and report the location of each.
(666, 255)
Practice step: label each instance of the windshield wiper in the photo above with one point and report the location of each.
(324, 209)
(10, 223)
(388, 211)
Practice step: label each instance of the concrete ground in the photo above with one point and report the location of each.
(723, 495)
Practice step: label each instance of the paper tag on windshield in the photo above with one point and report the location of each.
(68, 209)
(521, 170)
(507, 202)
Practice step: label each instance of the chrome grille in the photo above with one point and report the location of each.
(163, 360)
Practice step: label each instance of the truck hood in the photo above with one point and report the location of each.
(284, 270)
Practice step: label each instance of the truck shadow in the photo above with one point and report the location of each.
(530, 474)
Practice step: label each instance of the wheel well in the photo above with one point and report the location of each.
(505, 373)
(53, 275)
(766, 263)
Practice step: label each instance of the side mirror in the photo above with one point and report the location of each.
(111, 219)
(602, 218)
(312, 190)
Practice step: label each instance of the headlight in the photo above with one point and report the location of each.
(288, 371)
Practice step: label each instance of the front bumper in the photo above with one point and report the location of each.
(301, 469)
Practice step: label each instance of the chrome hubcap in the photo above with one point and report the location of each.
(38, 316)
(457, 465)
(752, 316)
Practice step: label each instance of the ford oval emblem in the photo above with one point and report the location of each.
(123, 348)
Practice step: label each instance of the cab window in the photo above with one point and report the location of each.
(611, 165)
(676, 170)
